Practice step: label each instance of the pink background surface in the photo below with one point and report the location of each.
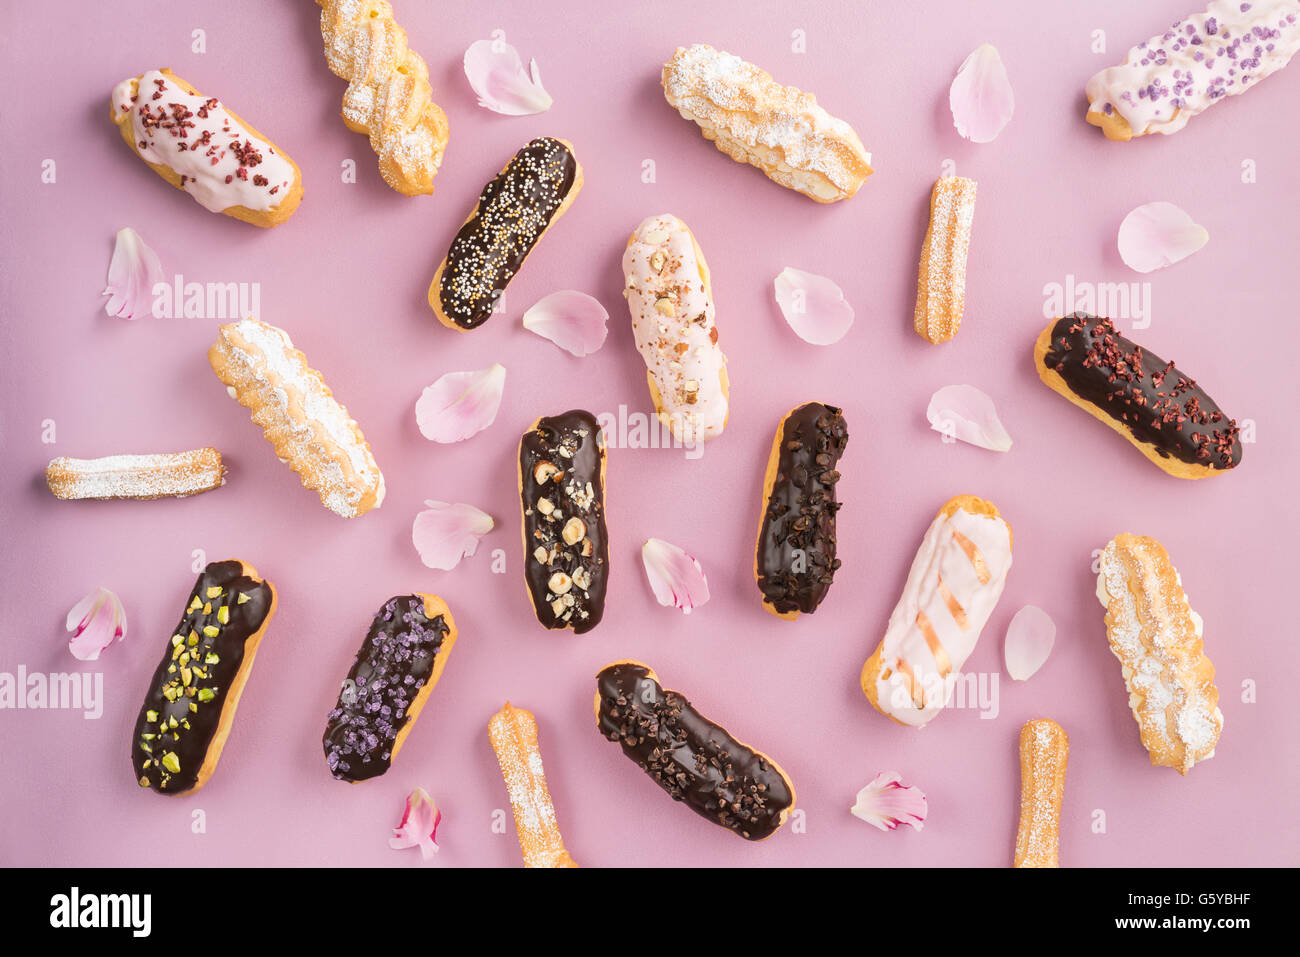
(347, 278)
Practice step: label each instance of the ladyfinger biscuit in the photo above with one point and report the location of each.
(690, 757)
(1152, 403)
(953, 586)
(941, 277)
(1157, 638)
(670, 297)
(1044, 752)
(198, 145)
(193, 695)
(562, 497)
(388, 96)
(514, 211)
(391, 677)
(513, 733)
(161, 475)
(312, 433)
(794, 557)
(755, 120)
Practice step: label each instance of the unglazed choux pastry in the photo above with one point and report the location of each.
(161, 475)
(198, 145)
(1157, 638)
(794, 556)
(388, 96)
(755, 120)
(1156, 406)
(1044, 752)
(312, 433)
(952, 588)
(195, 690)
(941, 279)
(399, 663)
(670, 296)
(694, 760)
(514, 211)
(1200, 60)
(513, 733)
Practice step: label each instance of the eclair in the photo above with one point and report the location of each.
(198, 145)
(693, 759)
(1044, 753)
(952, 588)
(941, 277)
(141, 477)
(195, 690)
(562, 498)
(513, 213)
(670, 296)
(794, 557)
(398, 665)
(1156, 406)
(513, 733)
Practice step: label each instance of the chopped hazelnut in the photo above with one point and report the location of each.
(545, 472)
(540, 554)
(559, 583)
(574, 531)
(545, 506)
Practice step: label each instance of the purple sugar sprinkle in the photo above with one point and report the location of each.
(1211, 26)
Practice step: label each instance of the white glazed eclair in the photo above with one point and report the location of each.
(1157, 638)
(954, 584)
(670, 297)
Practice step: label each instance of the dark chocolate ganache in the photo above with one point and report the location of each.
(690, 757)
(795, 559)
(187, 694)
(566, 546)
(1154, 400)
(513, 211)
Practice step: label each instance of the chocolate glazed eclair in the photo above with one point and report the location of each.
(513, 213)
(562, 497)
(690, 757)
(794, 558)
(194, 692)
(399, 663)
(1149, 401)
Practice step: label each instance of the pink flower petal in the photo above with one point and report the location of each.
(675, 577)
(966, 413)
(419, 827)
(980, 97)
(1029, 641)
(460, 404)
(814, 306)
(1158, 235)
(132, 273)
(96, 622)
(496, 73)
(572, 320)
(444, 534)
(887, 803)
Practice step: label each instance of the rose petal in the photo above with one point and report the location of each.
(460, 404)
(419, 827)
(572, 320)
(676, 578)
(1029, 641)
(980, 97)
(814, 306)
(1158, 235)
(887, 803)
(444, 534)
(496, 73)
(96, 622)
(966, 413)
(132, 273)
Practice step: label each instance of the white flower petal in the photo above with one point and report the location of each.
(444, 534)
(966, 413)
(574, 321)
(1029, 641)
(980, 97)
(460, 404)
(814, 306)
(497, 75)
(132, 273)
(1158, 235)
(886, 803)
(676, 578)
(96, 622)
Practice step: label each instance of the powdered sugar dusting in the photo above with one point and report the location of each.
(162, 475)
(513, 732)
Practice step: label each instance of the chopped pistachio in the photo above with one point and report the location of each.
(223, 614)
(151, 715)
(144, 782)
(214, 591)
(193, 639)
(211, 631)
(193, 706)
(243, 598)
(207, 608)
(187, 676)
(177, 639)
(207, 694)
(171, 762)
(145, 747)
(211, 659)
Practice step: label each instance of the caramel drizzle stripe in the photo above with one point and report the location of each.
(954, 606)
(913, 686)
(976, 559)
(936, 646)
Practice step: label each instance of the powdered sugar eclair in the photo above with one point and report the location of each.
(198, 145)
(1044, 754)
(312, 433)
(954, 584)
(1158, 640)
(670, 297)
(513, 733)
(158, 475)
